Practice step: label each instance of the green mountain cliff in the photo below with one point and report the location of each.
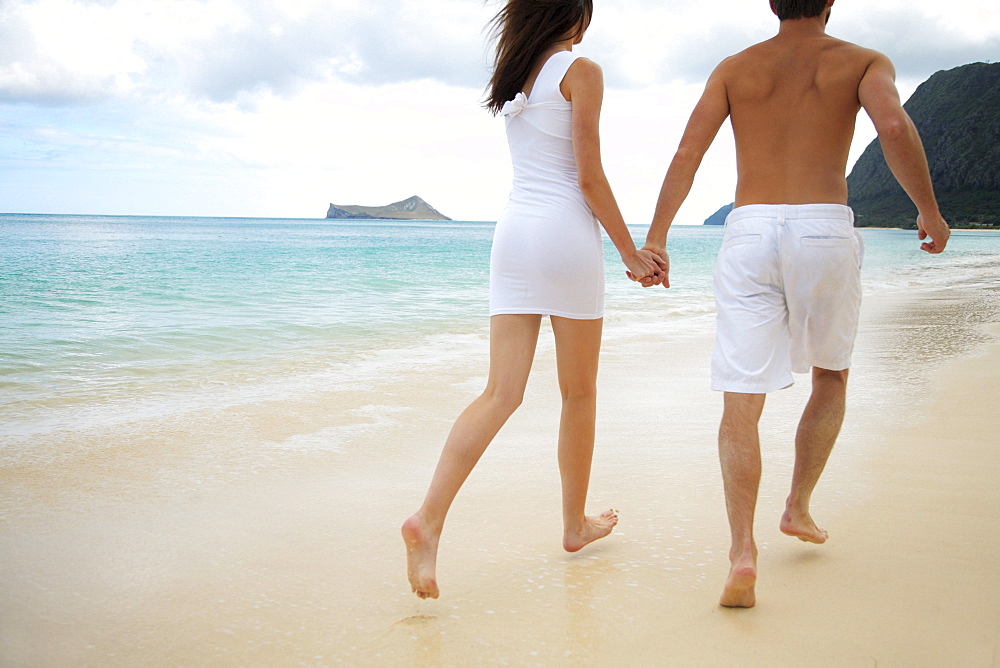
(412, 208)
(957, 113)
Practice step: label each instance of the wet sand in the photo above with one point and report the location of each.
(127, 558)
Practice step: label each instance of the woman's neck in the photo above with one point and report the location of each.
(564, 45)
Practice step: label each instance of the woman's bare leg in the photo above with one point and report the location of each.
(578, 347)
(512, 349)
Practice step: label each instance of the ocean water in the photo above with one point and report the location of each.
(211, 429)
(110, 321)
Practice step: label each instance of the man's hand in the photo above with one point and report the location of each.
(645, 266)
(662, 275)
(937, 229)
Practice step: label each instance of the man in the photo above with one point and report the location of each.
(788, 275)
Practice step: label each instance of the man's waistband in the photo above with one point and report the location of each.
(783, 212)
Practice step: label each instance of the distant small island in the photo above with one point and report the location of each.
(413, 208)
(719, 217)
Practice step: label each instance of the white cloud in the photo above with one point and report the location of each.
(222, 49)
(275, 108)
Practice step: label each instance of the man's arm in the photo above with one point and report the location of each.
(903, 150)
(706, 119)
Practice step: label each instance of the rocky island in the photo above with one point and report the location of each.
(412, 208)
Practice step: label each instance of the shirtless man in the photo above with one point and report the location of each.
(788, 275)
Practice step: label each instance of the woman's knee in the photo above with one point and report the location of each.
(504, 399)
(579, 390)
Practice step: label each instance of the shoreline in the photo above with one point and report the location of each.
(298, 558)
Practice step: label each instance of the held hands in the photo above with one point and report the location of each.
(649, 266)
(936, 228)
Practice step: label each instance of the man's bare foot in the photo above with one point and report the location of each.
(739, 589)
(801, 526)
(593, 528)
(421, 557)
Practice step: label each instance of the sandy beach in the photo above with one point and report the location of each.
(113, 559)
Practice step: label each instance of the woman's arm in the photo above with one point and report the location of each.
(583, 85)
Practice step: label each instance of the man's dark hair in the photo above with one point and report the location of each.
(798, 9)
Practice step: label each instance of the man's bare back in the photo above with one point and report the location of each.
(793, 101)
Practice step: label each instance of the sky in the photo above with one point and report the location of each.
(276, 108)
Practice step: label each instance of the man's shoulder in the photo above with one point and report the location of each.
(752, 55)
(774, 50)
(737, 61)
(853, 50)
(751, 52)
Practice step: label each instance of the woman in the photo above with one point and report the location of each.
(547, 259)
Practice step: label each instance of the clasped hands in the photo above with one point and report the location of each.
(649, 266)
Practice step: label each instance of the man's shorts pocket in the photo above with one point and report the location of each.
(856, 244)
(826, 242)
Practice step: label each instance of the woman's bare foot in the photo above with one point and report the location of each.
(739, 589)
(421, 557)
(801, 526)
(593, 528)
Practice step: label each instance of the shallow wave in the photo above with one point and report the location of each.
(127, 323)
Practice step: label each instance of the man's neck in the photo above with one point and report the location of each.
(800, 28)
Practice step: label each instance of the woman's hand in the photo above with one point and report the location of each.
(648, 267)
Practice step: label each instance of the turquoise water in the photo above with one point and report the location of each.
(101, 316)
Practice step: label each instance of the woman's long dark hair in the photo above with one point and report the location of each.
(524, 30)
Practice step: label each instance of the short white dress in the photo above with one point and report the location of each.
(548, 253)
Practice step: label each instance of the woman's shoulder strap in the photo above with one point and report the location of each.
(553, 72)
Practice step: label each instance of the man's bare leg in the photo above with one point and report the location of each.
(739, 454)
(512, 349)
(578, 347)
(817, 432)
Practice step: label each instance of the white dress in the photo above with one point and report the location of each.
(548, 254)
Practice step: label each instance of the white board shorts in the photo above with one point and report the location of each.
(787, 293)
